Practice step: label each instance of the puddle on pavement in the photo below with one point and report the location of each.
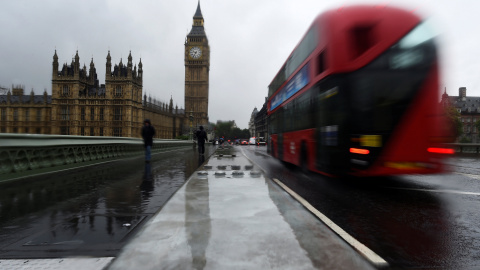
(86, 230)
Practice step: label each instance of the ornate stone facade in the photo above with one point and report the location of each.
(197, 68)
(80, 106)
(21, 113)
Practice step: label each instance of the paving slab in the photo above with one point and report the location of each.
(228, 215)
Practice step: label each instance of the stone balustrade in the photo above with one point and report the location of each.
(30, 154)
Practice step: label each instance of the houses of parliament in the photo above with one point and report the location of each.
(79, 105)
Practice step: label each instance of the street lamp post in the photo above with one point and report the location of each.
(190, 117)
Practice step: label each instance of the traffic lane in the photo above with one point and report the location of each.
(397, 217)
(88, 211)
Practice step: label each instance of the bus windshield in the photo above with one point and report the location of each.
(382, 91)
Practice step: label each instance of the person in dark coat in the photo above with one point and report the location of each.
(201, 138)
(148, 132)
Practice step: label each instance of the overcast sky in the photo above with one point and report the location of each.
(249, 41)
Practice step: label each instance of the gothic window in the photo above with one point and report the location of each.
(38, 131)
(101, 114)
(118, 91)
(117, 114)
(64, 113)
(117, 132)
(4, 114)
(92, 114)
(65, 91)
(15, 115)
(64, 130)
(27, 114)
(15, 130)
(92, 131)
(101, 131)
(27, 130)
(39, 115)
(82, 114)
(82, 131)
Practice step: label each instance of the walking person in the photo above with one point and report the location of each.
(148, 131)
(201, 138)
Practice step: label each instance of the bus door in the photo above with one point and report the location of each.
(330, 122)
(280, 146)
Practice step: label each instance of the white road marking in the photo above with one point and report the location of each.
(361, 248)
(369, 254)
(450, 191)
(469, 175)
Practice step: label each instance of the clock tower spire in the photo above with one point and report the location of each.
(197, 68)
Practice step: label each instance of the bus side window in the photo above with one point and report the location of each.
(321, 63)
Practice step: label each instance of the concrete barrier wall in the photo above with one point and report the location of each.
(466, 148)
(29, 154)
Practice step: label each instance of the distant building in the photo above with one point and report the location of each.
(261, 122)
(80, 106)
(21, 113)
(469, 109)
(251, 123)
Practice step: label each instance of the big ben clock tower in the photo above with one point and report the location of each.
(197, 67)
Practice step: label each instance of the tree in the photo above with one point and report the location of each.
(240, 133)
(453, 118)
(477, 125)
(226, 130)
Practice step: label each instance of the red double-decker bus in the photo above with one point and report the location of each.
(359, 95)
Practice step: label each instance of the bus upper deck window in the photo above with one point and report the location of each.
(321, 63)
(362, 39)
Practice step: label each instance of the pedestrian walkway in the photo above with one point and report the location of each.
(228, 215)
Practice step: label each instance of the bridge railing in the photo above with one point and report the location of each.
(30, 154)
(466, 148)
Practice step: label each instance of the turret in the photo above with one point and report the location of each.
(140, 70)
(32, 94)
(129, 64)
(55, 65)
(77, 64)
(108, 71)
(92, 71)
(45, 96)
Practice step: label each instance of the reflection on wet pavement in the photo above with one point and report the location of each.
(235, 221)
(97, 205)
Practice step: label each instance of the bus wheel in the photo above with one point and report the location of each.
(304, 159)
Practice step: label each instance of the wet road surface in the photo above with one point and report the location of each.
(89, 211)
(420, 222)
(414, 221)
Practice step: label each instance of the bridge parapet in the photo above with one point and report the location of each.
(30, 154)
(466, 148)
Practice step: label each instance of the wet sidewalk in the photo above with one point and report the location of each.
(228, 215)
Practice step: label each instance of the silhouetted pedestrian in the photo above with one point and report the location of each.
(201, 138)
(148, 131)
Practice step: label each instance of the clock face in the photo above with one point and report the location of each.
(195, 52)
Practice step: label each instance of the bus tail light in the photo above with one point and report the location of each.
(441, 150)
(359, 151)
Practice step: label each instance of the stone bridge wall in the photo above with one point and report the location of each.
(30, 154)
